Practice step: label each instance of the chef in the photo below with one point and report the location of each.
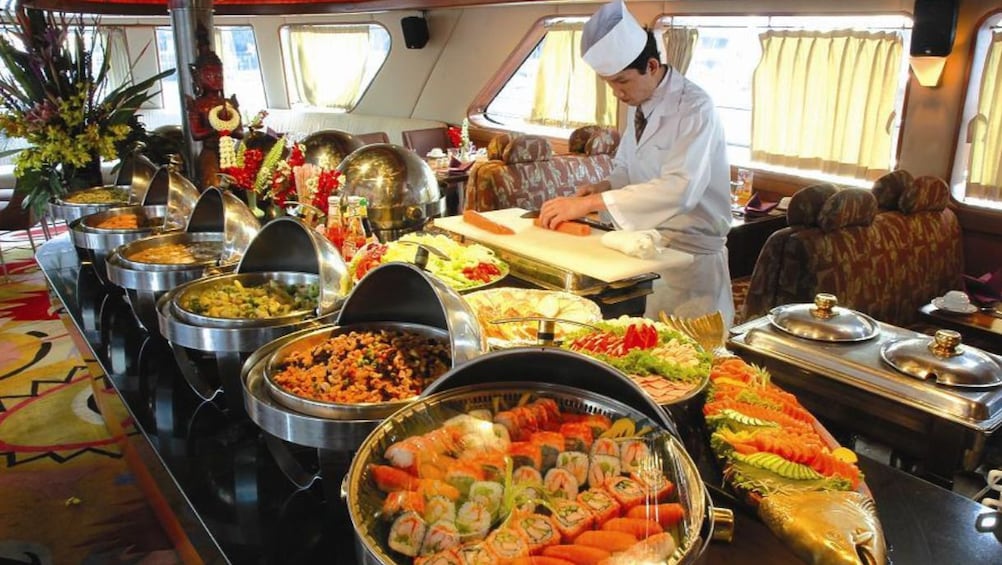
(670, 172)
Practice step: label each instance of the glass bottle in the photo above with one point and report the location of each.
(354, 230)
(363, 211)
(335, 222)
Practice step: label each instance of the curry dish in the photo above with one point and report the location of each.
(232, 299)
(98, 196)
(127, 222)
(180, 253)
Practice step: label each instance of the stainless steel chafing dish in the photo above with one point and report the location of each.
(393, 296)
(218, 219)
(507, 378)
(87, 202)
(136, 171)
(327, 148)
(940, 409)
(401, 188)
(286, 252)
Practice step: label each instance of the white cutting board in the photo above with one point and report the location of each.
(579, 254)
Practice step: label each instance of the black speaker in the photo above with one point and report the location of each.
(934, 23)
(415, 31)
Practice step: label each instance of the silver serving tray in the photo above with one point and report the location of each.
(86, 234)
(248, 280)
(126, 251)
(861, 366)
(365, 501)
(333, 410)
(872, 326)
(69, 211)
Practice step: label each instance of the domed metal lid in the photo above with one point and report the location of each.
(824, 321)
(401, 189)
(168, 186)
(218, 211)
(943, 359)
(136, 172)
(327, 148)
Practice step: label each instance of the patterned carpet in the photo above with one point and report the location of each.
(67, 495)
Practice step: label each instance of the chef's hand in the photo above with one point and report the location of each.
(597, 188)
(565, 208)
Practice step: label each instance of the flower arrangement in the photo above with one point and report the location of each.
(55, 96)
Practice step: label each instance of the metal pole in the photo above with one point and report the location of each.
(186, 17)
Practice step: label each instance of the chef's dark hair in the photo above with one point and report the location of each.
(650, 52)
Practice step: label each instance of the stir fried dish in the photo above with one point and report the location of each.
(365, 366)
(234, 300)
(127, 222)
(180, 253)
(110, 195)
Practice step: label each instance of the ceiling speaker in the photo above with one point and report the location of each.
(934, 23)
(415, 31)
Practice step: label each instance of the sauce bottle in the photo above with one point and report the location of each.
(335, 222)
(354, 229)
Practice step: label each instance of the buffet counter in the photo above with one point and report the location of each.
(222, 495)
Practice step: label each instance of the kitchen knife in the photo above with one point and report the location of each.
(597, 224)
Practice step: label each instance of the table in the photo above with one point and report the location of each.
(980, 329)
(210, 476)
(746, 238)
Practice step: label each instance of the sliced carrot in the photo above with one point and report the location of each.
(572, 228)
(577, 554)
(481, 221)
(540, 560)
(667, 514)
(639, 527)
(604, 539)
(389, 479)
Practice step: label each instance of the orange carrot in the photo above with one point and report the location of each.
(577, 554)
(481, 221)
(389, 479)
(540, 560)
(667, 514)
(639, 527)
(572, 228)
(604, 539)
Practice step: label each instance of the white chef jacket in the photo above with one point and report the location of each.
(677, 179)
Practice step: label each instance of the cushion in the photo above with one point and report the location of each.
(888, 188)
(594, 140)
(927, 193)
(807, 202)
(845, 208)
(497, 145)
(527, 149)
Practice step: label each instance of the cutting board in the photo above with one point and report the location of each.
(579, 254)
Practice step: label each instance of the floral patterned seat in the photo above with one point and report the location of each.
(885, 252)
(522, 171)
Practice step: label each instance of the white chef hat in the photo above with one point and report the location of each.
(612, 39)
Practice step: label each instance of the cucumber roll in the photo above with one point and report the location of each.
(407, 533)
(560, 483)
(439, 508)
(576, 462)
(488, 494)
(441, 536)
(473, 520)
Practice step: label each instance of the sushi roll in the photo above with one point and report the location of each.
(507, 544)
(577, 436)
(492, 465)
(488, 494)
(656, 486)
(404, 454)
(402, 501)
(576, 462)
(439, 508)
(634, 455)
(441, 536)
(434, 487)
(550, 445)
(602, 468)
(407, 533)
(390, 479)
(528, 484)
(525, 453)
(598, 423)
(571, 518)
(600, 503)
(447, 557)
(605, 446)
(560, 483)
(462, 474)
(473, 520)
(538, 531)
(476, 554)
(627, 492)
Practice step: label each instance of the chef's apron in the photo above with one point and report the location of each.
(701, 288)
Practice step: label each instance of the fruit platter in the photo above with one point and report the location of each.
(669, 365)
(493, 306)
(778, 459)
(461, 266)
(511, 476)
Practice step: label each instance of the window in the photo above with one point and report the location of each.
(552, 90)
(237, 48)
(330, 66)
(729, 52)
(977, 170)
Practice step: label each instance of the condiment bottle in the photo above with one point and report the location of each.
(354, 230)
(335, 222)
(363, 211)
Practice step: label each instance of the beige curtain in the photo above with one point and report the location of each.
(985, 131)
(680, 42)
(825, 101)
(117, 52)
(328, 63)
(568, 92)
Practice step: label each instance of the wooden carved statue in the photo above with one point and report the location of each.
(213, 119)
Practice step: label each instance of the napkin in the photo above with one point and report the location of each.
(757, 206)
(986, 289)
(640, 244)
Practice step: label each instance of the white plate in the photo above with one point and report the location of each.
(966, 309)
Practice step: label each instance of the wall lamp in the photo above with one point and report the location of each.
(934, 24)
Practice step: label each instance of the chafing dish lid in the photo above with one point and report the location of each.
(218, 211)
(136, 172)
(168, 186)
(824, 321)
(288, 244)
(327, 148)
(944, 359)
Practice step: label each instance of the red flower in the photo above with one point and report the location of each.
(455, 136)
